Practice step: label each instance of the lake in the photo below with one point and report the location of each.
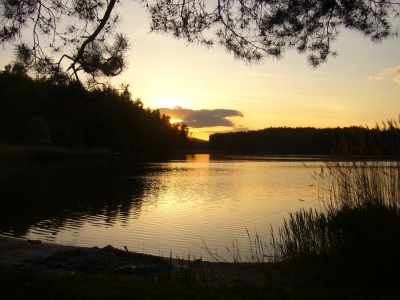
(156, 207)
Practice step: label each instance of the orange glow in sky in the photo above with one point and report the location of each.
(361, 86)
(172, 121)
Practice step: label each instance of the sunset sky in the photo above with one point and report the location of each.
(213, 92)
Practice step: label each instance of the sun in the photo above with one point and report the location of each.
(169, 102)
(173, 121)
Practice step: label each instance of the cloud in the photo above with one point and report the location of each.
(388, 73)
(202, 118)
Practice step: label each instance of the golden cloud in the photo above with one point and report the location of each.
(204, 117)
(388, 73)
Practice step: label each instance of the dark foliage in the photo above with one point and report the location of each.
(48, 112)
(309, 141)
(357, 245)
(75, 33)
(254, 29)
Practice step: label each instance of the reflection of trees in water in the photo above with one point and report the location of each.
(158, 180)
(66, 196)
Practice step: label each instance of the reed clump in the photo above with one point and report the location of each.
(355, 234)
(353, 238)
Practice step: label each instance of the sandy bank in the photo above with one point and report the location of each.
(110, 260)
(15, 251)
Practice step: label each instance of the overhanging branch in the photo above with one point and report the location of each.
(93, 36)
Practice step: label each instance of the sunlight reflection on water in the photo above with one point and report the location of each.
(156, 207)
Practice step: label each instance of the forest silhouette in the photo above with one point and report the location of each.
(310, 141)
(52, 111)
(59, 113)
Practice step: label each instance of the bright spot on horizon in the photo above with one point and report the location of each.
(173, 121)
(168, 102)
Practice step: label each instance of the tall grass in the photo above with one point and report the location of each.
(355, 235)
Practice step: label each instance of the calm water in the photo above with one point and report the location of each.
(155, 207)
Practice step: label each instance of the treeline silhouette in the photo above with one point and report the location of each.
(54, 112)
(311, 141)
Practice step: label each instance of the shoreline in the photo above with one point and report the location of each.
(64, 259)
(18, 251)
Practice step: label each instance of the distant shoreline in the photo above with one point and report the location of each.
(10, 155)
(35, 153)
(198, 152)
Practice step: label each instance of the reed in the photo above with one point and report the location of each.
(191, 272)
(353, 238)
(355, 234)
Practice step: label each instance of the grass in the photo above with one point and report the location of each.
(354, 238)
(26, 283)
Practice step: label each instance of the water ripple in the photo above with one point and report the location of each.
(160, 207)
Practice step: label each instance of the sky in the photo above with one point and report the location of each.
(212, 92)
